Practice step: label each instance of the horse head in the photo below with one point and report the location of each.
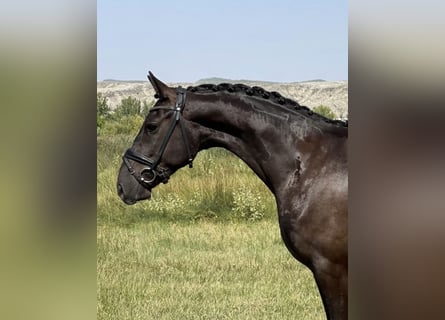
(166, 142)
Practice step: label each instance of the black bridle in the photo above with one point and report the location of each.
(151, 168)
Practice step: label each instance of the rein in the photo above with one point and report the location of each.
(151, 168)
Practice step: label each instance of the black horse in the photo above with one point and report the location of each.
(300, 155)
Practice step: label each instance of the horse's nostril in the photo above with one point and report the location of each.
(120, 190)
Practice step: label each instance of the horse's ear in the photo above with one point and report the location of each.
(161, 89)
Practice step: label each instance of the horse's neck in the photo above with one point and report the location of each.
(267, 146)
(244, 151)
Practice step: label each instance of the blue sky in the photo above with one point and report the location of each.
(184, 41)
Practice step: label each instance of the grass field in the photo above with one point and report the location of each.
(206, 247)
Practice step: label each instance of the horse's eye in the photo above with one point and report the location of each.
(150, 127)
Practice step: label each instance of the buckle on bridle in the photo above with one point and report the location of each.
(148, 175)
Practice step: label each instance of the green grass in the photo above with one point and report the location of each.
(201, 270)
(220, 186)
(207, 246)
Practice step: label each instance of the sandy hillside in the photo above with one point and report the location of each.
(333, 94)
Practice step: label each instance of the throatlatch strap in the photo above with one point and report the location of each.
(187, 146)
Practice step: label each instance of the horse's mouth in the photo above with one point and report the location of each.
(129, 201)
(146, 194)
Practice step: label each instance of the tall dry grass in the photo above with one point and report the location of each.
(220, 186)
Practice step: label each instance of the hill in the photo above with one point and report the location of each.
(333, 94)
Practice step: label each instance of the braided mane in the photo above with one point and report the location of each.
(259, 92)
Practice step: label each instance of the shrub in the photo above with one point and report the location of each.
(102, 112)
(128, 107)
(325, 111)
(128, 125)
(248, 204)
(102, 105)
